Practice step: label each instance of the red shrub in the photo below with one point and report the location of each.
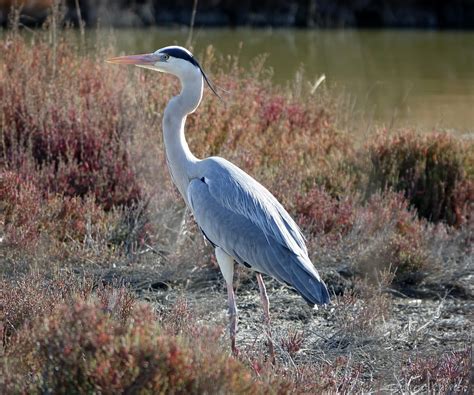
(293, 342)
(27, 213)
(20, 225)
(272, 110)
(398, 237)
(57, 116)
(428, 169)
(108, 343)
(321, 214)
(447, 373)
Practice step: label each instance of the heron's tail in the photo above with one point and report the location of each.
(309, 285)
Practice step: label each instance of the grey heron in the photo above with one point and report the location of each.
(240, 218)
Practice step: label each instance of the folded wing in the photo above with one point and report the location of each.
(242, 217)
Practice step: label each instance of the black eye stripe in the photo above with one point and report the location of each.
(180, 54)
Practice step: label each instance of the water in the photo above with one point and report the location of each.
(420, 79)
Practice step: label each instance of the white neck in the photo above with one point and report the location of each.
(181, 161)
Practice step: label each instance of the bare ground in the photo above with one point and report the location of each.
(380, 335)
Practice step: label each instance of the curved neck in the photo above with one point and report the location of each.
(181, 161)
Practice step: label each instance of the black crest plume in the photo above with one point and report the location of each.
(179, 53)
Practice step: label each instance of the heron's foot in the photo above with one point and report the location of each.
(233, 325)
(233, 332)
(271, 350)
(268, 332)
(271, 347)
(235, 350)
(266, 319)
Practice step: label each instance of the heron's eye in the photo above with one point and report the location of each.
(165, 56)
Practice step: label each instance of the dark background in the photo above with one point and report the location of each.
(448, 14)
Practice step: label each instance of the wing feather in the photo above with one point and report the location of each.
(248, 223)
(237, 191)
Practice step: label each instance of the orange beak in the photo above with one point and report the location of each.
(138, 60)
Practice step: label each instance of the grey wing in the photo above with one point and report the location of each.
(248, 241)
(237, 191)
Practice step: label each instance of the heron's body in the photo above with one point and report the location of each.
(236, 214)
(244, 219)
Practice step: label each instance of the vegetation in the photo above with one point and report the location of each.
(430, 170)
(70, 339)
(84, 188)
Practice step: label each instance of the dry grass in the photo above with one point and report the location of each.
(77, 339)
(63, 335)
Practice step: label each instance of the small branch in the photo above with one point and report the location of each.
(191, 24)
(80, 22)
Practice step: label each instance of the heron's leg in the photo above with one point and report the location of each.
(226, 264)
(266, 314)
(232, 317)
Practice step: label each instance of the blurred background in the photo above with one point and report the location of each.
(453, 14)
(399, 62)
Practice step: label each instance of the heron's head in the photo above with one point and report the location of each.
(172, 59)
